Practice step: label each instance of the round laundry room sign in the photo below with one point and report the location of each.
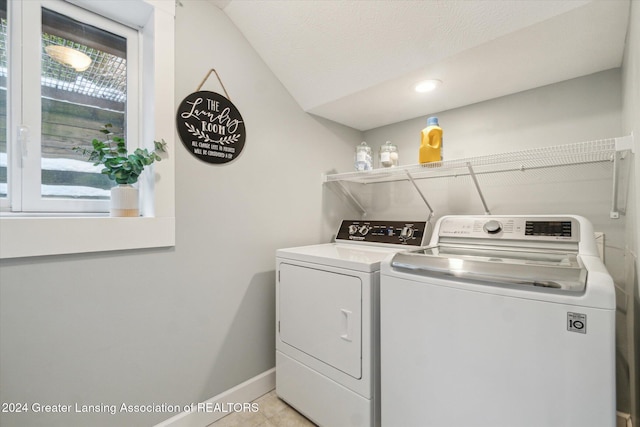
(211, 127)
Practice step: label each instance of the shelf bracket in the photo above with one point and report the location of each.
(624, 147)
(356, 204)
(614, 213)
(475, 182)
(616, 210)
(424, 199)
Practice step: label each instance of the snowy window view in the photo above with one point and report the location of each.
(83, 87)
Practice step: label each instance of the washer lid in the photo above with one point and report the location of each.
(547, 269)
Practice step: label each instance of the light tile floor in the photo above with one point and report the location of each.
(273, 412)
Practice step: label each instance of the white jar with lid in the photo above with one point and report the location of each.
(388, 155)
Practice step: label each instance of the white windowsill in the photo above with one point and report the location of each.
(53, 215)
(37, 236)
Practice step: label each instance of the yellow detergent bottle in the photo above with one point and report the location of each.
(431, 142)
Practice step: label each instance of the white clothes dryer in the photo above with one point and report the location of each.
(502, 321)
(327, 321)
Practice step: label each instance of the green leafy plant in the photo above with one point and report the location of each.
(119, 165)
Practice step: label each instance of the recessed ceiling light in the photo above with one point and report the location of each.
(427, 85)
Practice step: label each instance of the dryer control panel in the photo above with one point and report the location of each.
(410, 233)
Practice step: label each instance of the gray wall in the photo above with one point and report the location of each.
(178, 325)
(577, 110)
(581, 109)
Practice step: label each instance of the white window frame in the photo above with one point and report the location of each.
(23, 235)
(26, 176)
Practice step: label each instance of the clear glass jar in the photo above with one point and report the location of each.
(364, 157)
(388, 155)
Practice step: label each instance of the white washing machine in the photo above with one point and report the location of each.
(502, 321)
(327, 320)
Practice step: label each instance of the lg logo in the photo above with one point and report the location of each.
(577, 322)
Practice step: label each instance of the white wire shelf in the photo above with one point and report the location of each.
(581, 153)
(560, 155)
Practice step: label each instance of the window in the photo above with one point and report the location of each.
(52, 201)
(61, 103)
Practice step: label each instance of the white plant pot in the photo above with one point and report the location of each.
(124, 200)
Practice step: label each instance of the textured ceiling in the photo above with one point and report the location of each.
(356, 62)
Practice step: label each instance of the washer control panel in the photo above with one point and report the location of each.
(520, 228)
(410, 233)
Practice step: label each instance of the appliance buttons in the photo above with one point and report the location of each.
(492, 227)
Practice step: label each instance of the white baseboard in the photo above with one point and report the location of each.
(242, 393)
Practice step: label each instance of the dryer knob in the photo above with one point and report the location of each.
(364, 230)
(492, 227)
(407, 232)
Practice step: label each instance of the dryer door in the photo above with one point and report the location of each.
(320, 314)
